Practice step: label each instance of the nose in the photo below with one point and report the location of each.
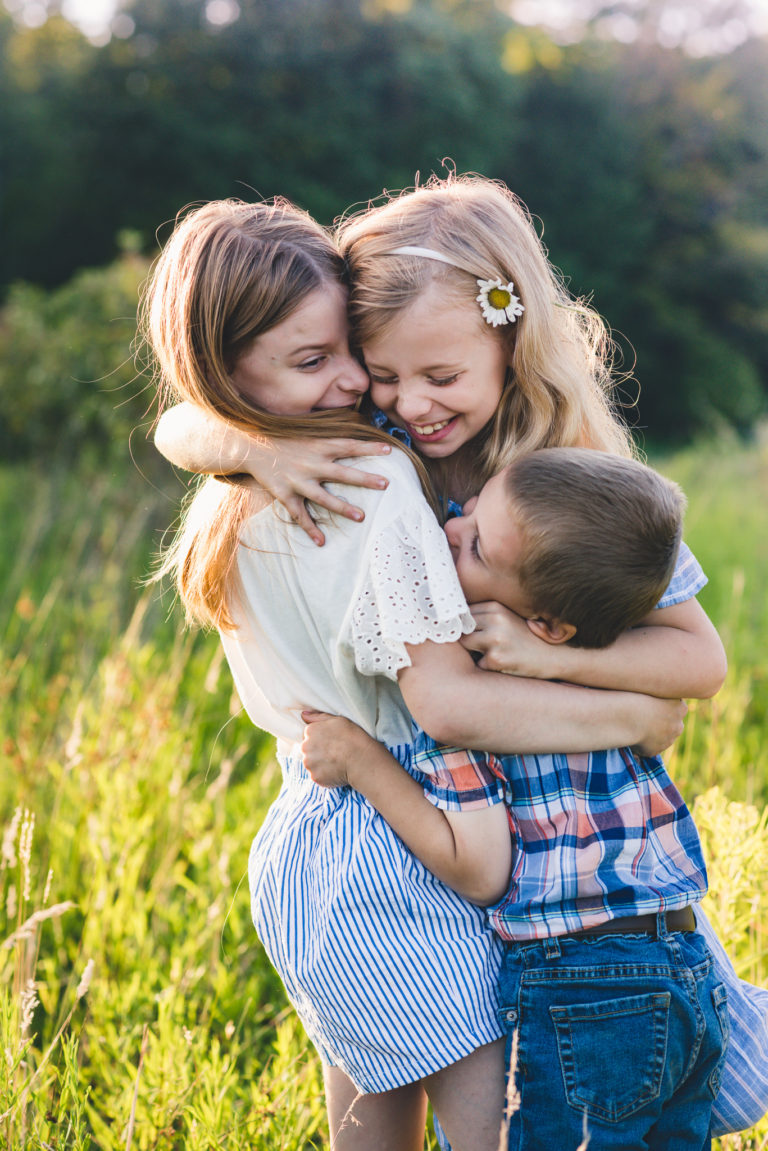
(353, 376)
(412, 403)
(453, 530)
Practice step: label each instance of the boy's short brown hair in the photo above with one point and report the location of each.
(601, 536)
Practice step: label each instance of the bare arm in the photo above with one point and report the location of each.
(674, 652)
(198, 441)
(293, 471)
(470, 851)
(460, 704)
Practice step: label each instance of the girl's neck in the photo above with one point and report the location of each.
(454, 478)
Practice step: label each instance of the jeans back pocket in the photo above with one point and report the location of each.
(612, 1053)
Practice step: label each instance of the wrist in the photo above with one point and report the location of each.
(641, 715)
(251, 450)
(358, 763)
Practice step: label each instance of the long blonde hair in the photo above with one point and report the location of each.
(558, 391)
(230, 272)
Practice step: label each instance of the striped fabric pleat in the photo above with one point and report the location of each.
(743, 1096)
(391, 972)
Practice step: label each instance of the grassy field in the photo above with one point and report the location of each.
(138, 1010)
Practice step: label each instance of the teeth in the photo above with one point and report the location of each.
(430, 429)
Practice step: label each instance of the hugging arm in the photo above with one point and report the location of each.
(674, 652)
(199, 441)
(470, 851)
(293, 471)
(460, 704)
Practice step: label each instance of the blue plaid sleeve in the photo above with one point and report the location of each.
(687, 579)
(455, 778)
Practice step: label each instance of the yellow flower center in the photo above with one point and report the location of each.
(499, 298)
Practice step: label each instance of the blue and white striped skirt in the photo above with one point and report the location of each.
(391, 972)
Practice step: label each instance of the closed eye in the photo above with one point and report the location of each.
(381, 379)
(444, 380)
(474, 547)
(312, 364)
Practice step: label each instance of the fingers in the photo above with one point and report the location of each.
(477, 640)
(489, 612)
(484, 615)
(337, 473)
(299, 512)
(484, 607)
(344, 474)
(355, 477)
(310, 716)
(340, 507)
(359, 447)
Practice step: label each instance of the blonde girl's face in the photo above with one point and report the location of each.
(304, 364)
(438, 371)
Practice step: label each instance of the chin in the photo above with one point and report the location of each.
(437, 451)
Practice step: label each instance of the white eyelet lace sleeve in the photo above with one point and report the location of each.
(411, 593)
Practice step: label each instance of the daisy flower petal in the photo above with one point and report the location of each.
(498, 302)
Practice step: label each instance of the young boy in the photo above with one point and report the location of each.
(616, 1025)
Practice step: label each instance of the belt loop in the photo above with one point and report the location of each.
(661, 925)
(552, 949)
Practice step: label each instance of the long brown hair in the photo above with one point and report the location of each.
(229, 272)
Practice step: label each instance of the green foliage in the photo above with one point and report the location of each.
(135, 998)
(137, 1009)
(644, 167)
(648, 168)
(68, 381)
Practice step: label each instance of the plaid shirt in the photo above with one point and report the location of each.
(597, 836)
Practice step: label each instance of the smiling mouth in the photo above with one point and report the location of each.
(424, 431)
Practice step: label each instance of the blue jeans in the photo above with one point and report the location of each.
(619, 1037)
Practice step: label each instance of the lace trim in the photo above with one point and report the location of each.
(411, 594)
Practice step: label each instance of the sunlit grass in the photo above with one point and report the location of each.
(137, 1008)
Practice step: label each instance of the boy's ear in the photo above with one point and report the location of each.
(551, 630)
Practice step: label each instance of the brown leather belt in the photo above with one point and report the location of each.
(682, 919)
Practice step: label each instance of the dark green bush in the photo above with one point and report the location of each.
(68, 381)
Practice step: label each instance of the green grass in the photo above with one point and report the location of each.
(137, 1009)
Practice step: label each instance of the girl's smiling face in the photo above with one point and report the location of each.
(438, 371)
(303, 364)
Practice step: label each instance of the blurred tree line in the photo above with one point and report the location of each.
(647, 168)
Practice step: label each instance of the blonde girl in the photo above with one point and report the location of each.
(392, 973)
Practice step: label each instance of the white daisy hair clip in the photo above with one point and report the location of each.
(497, 300)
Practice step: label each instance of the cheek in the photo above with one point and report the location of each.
(383, 397)
(488, 401)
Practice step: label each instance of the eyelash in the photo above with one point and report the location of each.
(473, 548)
(431, 379)
(315, 362)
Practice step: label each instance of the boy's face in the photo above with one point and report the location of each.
(487, 548)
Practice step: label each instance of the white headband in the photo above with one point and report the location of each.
(497, 301)
(428, 254)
